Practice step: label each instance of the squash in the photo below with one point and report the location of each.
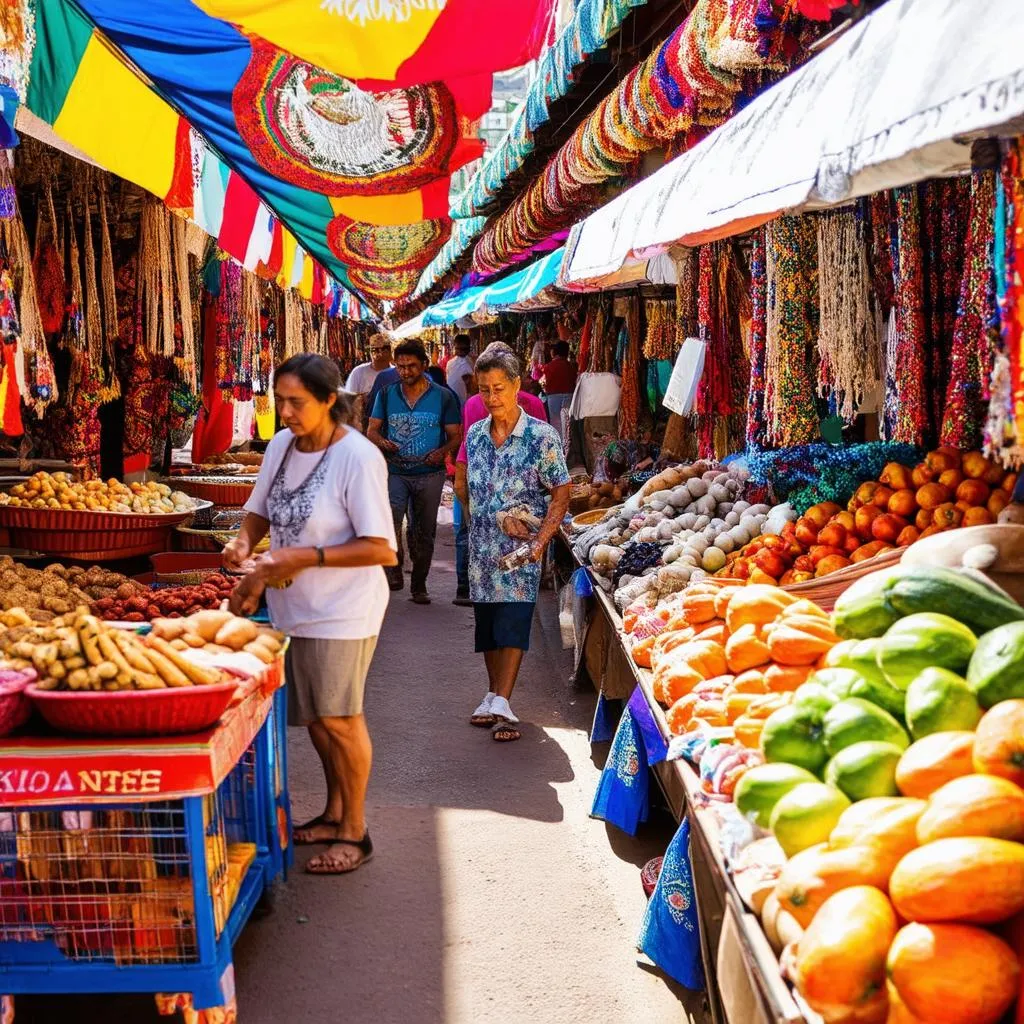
(745, 649)
(786, 678)
(800, 640)
(999, 742)
(933, 761)
(704, 657)
(888, 827)
(642, 651)
(679, 715)
(668, 641)
(839, 962)
(809, 877)
(898, 1012)
(758, 604)
(722, 599)
(953, 973)
(710, 711)
(698, 607)
(674, 679)
(975, 805)
(805, 607)
(736, 704)
(751, 681)
(747, 728)
(714, 632)
(974, 880)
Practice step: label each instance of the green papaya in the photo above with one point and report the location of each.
(866, 769)
(869, 607)
(814, 696)
(940, 701)
(996, 671)
(838, 681)
(861, 611)
(870, 683)
(793, 735)
(855, 720)
(924, 640)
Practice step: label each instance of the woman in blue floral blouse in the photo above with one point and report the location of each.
(514, 466)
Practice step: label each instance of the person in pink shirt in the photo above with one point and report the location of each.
(473, 412)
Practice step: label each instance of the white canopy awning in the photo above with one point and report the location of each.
(892, 101)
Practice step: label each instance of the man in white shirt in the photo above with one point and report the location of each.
(360, 380)
(460, 369)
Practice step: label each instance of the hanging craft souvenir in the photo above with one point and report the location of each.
(791, 263)
(756, 426)
(973, 347)
(48, 267)
(849, 331)
(73, 337)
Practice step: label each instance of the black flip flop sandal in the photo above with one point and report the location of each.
(320, 819)
(505, 731)
(364, 846)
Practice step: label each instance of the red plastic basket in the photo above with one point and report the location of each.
(15, 706)
(89, 536)
(166, 712)
(232, 493)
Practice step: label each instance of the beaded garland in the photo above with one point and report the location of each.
(756, 427)
(660, 337)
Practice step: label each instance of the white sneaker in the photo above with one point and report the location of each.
(484, 710)
(500, 708)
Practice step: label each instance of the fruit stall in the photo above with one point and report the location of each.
(851, 766)
(144, 807)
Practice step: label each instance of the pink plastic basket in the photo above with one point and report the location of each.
(166, 712)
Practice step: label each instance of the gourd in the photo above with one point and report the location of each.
(800, 639)
(977, 880)
(745, 649)
(758, 604)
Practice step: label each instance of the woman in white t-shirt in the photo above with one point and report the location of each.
(323, 495)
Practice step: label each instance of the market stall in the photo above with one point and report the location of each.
(141, 821)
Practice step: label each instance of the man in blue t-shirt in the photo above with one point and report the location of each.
(416, 424)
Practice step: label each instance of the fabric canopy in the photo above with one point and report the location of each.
(516, 289)
(887, 104)
(348, 141)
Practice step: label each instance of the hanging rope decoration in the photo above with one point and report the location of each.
(185, 352)
(849, 333)
(972, 354)
(756, 425)
(108, 287)
(74, 325)
(660, 337)
(292, 323)
(791, 264)
(102, 368)
(48, 266)
(685, 261)
(156, 279)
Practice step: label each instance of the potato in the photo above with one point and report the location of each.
(208, 623)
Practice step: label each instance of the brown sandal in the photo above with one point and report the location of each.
(317, 822)
(505, 731)
(327, 866)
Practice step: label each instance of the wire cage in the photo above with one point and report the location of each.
(114, 884)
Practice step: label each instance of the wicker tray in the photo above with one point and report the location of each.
(227, 492)
(592, 517)
(165, 712)
(825, 590)
(91, 536)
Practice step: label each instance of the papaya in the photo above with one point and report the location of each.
(999, 742)
(871, 605)
(839, 962)
(860, 676)
(924, 640)
(974, 880)
(888, 825)
(933, 761)
(974, 805)
(954, 973)
(939, 700)
(996, 671)
(806, 816)
(793, 735)
(855, 720)
(814, 874)
(865, 769)
(815, 697)
(761, 788)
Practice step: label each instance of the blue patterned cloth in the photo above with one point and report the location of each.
(621, 797)
(519, 474)
(670, 934)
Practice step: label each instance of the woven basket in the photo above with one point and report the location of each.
(230, 493)
(825, 590)
(592, 517)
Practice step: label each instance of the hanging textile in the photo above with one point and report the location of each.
(791, 264)
(849, 332)
(756, 432)
(630, 397)
(973, 342)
